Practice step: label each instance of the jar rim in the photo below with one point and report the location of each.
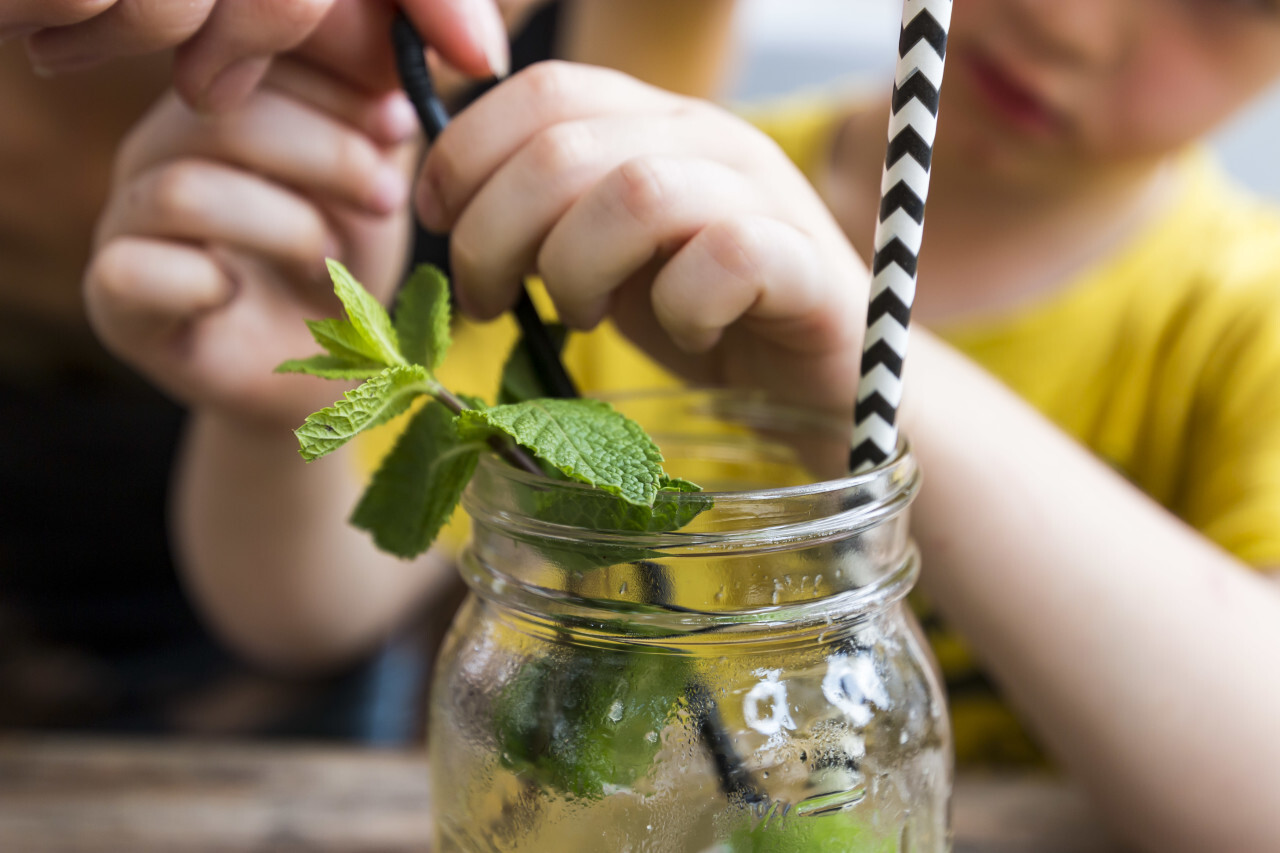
(568, 548)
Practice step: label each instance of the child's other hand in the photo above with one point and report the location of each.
(224, 47)
(210, 251)
(686, 225)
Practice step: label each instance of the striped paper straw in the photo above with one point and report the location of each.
(913, 124)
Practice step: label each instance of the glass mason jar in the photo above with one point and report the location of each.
(751, 681)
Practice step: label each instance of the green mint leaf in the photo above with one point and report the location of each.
(422, 318)
(588, 440)
(376, 401)
(418, 485)
(520, 380)
(331, 367)
(672, 509)
(341, 340)
(368, 318)
(589, 723)
(597, 511)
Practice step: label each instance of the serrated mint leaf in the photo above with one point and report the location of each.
(331, 367)
(588, 440)
(520, 379)
(376, 401)
(413, 493)
(367, 316)
(422, 317)
(341, 340)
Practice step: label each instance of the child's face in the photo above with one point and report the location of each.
(1071, 85)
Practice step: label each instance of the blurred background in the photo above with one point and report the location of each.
(797, 43)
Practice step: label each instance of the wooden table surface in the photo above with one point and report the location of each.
(60, 795)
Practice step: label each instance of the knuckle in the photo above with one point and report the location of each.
(177, 192)
(562, 148)
(547, 83)
(645, 188)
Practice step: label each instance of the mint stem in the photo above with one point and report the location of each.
(511, 452)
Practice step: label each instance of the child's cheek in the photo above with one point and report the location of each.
(1167, 94)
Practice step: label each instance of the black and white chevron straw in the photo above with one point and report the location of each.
(913, 123)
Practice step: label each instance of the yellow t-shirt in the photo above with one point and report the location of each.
(1164, 360)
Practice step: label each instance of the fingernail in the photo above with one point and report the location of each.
(491, 33)
(234, 83)
(390, 189)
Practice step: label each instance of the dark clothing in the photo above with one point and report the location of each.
(96, 632)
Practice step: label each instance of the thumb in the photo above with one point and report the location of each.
(354, 41)
(217, 69)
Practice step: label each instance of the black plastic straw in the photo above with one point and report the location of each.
(411, 61)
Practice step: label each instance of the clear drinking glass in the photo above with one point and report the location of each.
(752, 681)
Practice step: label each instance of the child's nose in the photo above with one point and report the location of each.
(1095, 33)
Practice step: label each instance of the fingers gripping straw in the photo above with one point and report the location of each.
(913, 124)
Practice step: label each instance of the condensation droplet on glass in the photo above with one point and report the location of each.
(622, 590)
(720, 594)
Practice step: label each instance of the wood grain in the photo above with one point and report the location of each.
(64, 795)
(68, 796)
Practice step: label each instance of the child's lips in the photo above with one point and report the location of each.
(1010, 99)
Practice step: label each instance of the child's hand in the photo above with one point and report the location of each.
(687, 226)
(210, 251)
(224, 47)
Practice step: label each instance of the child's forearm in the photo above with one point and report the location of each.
(1129, 642)
(269, 556)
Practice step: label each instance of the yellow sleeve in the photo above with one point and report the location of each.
(1233, 485)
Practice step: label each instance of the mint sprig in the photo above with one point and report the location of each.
(404, 514)
(415, 490)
